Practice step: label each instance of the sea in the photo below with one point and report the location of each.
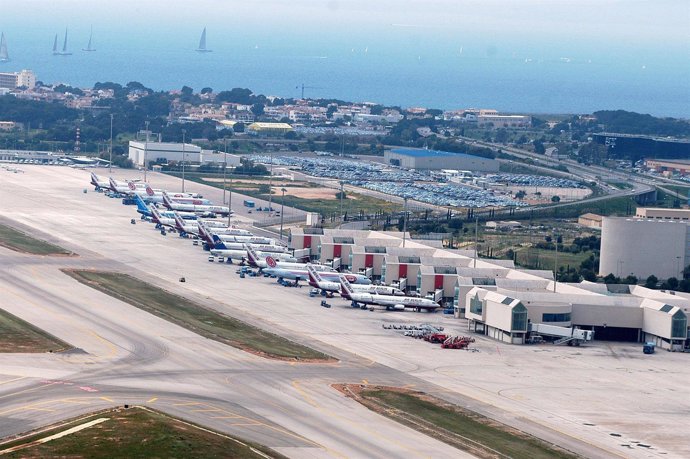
(389, 69)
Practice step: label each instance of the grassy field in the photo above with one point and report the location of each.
(136, 433)
(353, 204)
(458, 427)
(17, 335)
(545, 259)
(21, 242)
(186, 313)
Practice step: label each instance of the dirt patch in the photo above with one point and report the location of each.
(308, 193)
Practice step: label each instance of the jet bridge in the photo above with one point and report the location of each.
(565, 335)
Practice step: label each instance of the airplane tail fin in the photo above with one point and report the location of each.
(113, 185)
(149, 190)
(218, 243)
(271, 262)
(94, 179)
(345, 287)
(141, 205)
(252, 256)
(166, 200)
(203, 232)
(155, 216)
(131, 186)
(179, 223)
(313, 280)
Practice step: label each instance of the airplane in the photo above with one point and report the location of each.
(317, 281)
(119, 188)
(208, 237)
(256, 261)
(151, 195)
(390, 302)
(218, 227)
(259, 248)
(167, 202)
(222, 250)
(99, 183)
(144, 210)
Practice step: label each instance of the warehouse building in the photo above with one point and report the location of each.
(268, 129)
(165, 152)
(644, 247)
(661, 213)
(410, 158)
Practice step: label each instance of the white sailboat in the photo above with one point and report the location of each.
(89, 47)
(64, 51)
(4, 57)
(202, 43)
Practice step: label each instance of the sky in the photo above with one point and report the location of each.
(632, 44)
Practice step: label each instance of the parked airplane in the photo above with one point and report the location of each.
(99, 183)
(207, 235)
(214, 227)
(390, 302)
(118, 187)
(260, 249)
(144, 210)
(167, 202)
(222, 250)
(257, 261)
(317, 281)
(151, 195)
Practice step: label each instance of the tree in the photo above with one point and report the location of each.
(520, 194)
(651, 281)
(670, 284)
(539, 147)
(187, 91)
(555, 199)
(238, 127)
(501, 135)
(264, 189)
(588, 275)
(631, 279)
(686, 272)
(339, 194)
(206, 90)
(258, 109)
(611, 279)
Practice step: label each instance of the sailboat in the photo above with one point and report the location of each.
(89, 47)
(4, 57)
(64, 51)
(202, 43)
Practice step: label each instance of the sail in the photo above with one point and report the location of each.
(64, 44)
(202, 41)
(55, 45)
(89, 47)
(3, 49)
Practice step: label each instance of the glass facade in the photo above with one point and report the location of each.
(519, 322)
(560, 317)
(383, 271)
(476, 305)
(679, 325)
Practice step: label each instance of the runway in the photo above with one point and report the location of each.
(126, 356)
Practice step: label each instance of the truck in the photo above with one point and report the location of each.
(648, 348)
(566, 335)
(249, 203)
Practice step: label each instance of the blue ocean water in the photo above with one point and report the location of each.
(394, 68)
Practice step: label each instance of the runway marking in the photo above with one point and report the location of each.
(225, 417)
(107, 399)
(31, 408)
(186, 404)
(240, 424)
(12, 380)
(364, 381)
(113, 348)
(295, 384)
(152, 400)
(212, 410)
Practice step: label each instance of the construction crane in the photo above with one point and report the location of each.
(306, 87)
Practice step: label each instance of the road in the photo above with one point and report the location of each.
(126, 356)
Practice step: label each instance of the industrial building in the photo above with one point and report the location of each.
(644, 247)
(422, 159)
(269, 128)
(662, 213)
(164, 152)
(497, 299)
(590, 220)
(636, 147)
(14, 80)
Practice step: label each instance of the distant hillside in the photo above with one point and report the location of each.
(635, 123)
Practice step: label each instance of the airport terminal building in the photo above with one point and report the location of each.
(164, 152)
(421, 159)
(497, 299)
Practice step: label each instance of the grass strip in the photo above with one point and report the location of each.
(21, 242)
(456, 426)
(136, 432)
(17, 335)
(194, 317)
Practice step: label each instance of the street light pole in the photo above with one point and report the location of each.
(555, 266)
(270, 187)
(404, 221)
(282, 203)
(225, 165)
(110, 162)
(184, 132)
(146, 147)
(342, 193)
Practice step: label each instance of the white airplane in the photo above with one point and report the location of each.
(209, 238)
(317, 281)
(99, 183)
(220, 249)
(193, 227)
(256, 261)
(221, 210)
(390, 302)
(151, 195)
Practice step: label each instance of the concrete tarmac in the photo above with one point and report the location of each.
(575, 398)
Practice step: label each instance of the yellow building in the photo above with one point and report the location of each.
(269, 128)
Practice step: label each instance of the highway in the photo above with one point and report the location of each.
(124, 356)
